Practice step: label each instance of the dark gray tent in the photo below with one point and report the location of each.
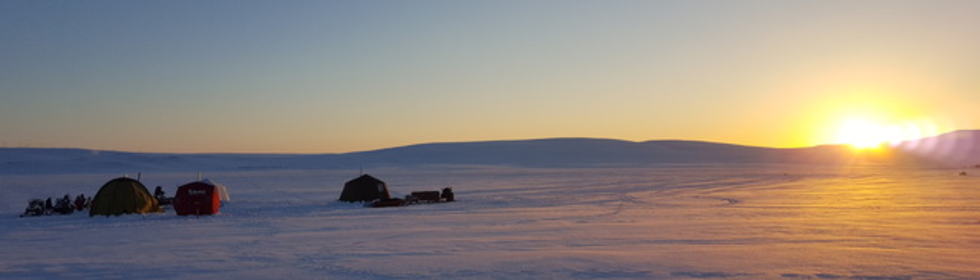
(364, 188)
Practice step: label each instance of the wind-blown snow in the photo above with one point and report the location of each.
(682, 221)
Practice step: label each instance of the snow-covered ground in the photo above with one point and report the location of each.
(681, 221)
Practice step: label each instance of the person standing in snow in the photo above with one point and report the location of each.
(158, 192)
(161, 196)
(80, 202)
(48, 207)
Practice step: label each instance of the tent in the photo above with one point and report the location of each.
(123, 196)
(364, 188)
(200, 198)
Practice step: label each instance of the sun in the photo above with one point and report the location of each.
(859, 133)
(867, 133)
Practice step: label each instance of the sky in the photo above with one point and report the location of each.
(340, 76)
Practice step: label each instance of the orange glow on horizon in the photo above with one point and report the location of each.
(863, 133)
(867, 119)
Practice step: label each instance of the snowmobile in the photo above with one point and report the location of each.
(35, 207)
(64, 206)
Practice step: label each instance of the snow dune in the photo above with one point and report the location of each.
(694, 221)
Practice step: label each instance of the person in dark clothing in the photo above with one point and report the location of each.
(80, 202)
(48, 207)
(161, 196)
(448, 195)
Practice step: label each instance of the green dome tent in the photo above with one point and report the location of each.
(123, 196)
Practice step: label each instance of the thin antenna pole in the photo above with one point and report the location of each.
(199, 175)
(139, 176)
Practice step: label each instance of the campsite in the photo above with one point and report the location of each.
(374, 192)
(126, 195)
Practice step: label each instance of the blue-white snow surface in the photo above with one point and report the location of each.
(666, 222)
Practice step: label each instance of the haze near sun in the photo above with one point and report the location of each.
(872, 124)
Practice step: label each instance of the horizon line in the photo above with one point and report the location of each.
(448, 142)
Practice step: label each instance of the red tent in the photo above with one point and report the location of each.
(198, 198)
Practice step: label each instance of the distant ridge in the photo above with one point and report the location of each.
(958, 148)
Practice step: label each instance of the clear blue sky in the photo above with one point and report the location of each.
(335, 76)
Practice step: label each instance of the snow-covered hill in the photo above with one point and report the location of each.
(560, 152)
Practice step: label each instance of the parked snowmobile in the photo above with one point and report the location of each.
(64, 206)
(35, 207)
